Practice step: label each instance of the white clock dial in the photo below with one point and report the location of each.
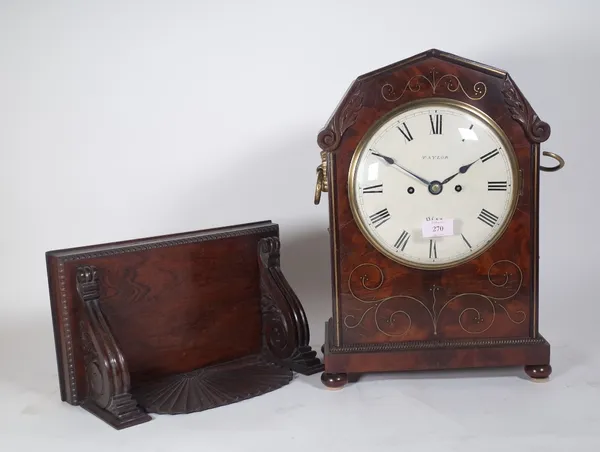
(441, 161)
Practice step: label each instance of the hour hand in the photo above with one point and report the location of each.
(391, 161)
(462, 170)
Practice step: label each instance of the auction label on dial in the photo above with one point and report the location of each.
(438, 228)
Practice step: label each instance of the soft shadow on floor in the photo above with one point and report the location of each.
(28, 355)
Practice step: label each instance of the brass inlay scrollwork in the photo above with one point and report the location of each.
(450, 81)
(375, 305)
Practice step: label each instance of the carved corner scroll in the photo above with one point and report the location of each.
(537, 131)
(345, 116)
(285, 327)
(108, 381)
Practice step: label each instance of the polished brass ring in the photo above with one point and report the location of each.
(319, 185)
(556, 157)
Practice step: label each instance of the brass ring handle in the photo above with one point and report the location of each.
(556, 157)
(319, 186)
(321, 178)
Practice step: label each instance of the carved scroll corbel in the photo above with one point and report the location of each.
(330, 138)
(536, 130)
(344, 117)
(285, 327)
(108, 382)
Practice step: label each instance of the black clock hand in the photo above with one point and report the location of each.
(462, 170)
(391, 161)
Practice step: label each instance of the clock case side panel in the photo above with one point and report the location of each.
(329, 140)
(367, 88)
(334, 249)
(536, 132)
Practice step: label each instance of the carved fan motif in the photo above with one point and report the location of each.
(213, 386)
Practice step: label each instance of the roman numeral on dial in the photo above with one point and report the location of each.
(489, 155)
(498, 186)
(470, 128)
(380, 217)
(436, 124)
(432, 249)
(466, 241)
(487, 217)
(402, 240)
(405, 132)
(373, 189)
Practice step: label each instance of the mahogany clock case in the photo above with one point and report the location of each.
(175, 324)
(482, 313)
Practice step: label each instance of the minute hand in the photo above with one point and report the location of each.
(391, 161)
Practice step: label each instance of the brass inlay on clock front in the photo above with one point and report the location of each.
(449, 81)
(351, 322)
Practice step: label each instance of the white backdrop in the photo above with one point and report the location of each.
(126, 119)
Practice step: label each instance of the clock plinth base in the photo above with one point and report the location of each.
(539, 373)
(355, 359)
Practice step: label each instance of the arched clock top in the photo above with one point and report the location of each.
(433, 73)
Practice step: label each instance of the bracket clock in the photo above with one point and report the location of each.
(432, 170)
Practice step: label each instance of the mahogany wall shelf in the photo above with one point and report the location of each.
(175, 324)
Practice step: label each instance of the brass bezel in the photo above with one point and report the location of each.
(486, 119)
